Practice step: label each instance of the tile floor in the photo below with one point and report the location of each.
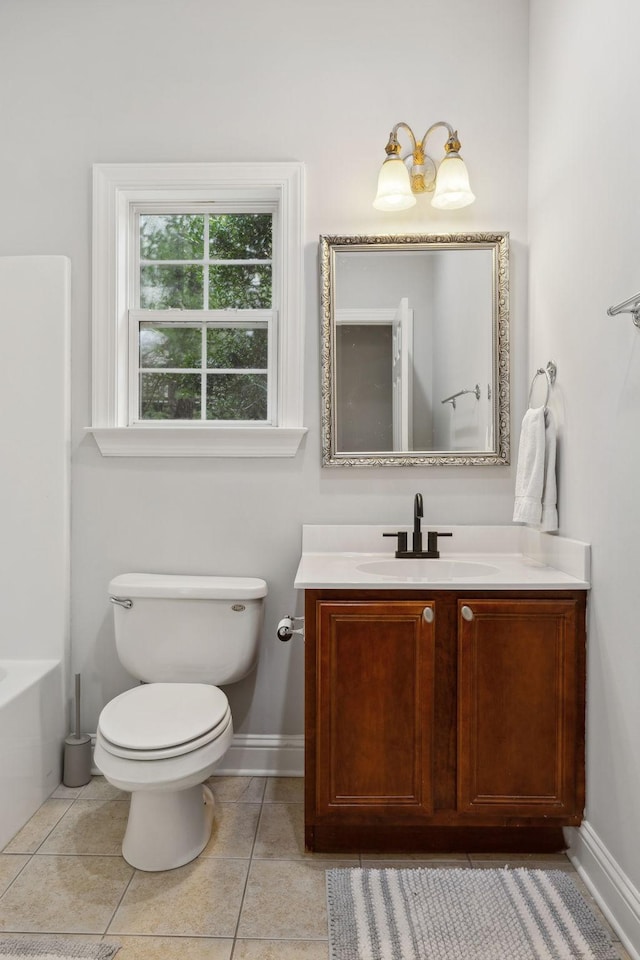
(253, 893)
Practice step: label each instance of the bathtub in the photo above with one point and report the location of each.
(31, 739)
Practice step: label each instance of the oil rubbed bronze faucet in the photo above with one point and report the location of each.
(418, 514)
(432, 552)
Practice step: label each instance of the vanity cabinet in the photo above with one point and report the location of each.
(443, 720)
(375, 690)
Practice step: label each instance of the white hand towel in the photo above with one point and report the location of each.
(531, 468)
(549, 519)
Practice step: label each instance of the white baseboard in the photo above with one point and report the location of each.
(257, 755)
(612, 890)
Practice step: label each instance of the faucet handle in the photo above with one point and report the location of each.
(402, 540)
(432, 542)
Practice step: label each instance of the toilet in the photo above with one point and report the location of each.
(180, 636)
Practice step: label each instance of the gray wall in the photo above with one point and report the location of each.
(86, 81)
(585, 195)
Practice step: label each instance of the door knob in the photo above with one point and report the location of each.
(467, 613)
(428, 615)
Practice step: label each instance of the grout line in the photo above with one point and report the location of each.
(117, 906)
(246, 882)
(29, 857)
(53, 827)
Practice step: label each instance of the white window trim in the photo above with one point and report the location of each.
(117, 187)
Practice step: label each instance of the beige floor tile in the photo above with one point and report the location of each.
(64, 895)
(10, 867)
(284, 789)
(66, 793)
(237, 789)
(280, 832)
(281, 835)
(285, 899)
(281, 950)
(171, 948)
(234, 830)
(100, 789)
(90, 827)
(201, 899)
(36, 830)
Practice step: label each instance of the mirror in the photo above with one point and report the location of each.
(415, 350)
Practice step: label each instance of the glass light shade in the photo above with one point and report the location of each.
(394, 186)
(452, 184)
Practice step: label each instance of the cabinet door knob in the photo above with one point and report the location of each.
(467, 613)
(428, 615)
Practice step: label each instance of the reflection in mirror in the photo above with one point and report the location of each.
(415, 350)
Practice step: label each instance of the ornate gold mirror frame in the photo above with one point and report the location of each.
(334, 253)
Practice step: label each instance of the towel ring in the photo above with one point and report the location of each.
(549, 372)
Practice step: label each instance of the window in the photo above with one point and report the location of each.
(202, 322)
(197, 309)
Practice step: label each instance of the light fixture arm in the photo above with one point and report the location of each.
(452, 141)
(393, 146)
(424, 168)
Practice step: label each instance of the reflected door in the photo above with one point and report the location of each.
(402, 376)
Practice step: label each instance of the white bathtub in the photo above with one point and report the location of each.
(31, 739)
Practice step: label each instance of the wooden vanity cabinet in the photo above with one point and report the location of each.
(375, 673)
(443, 721)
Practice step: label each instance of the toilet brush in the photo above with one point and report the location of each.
(77, 751)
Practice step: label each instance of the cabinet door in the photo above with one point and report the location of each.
(520, 707)
(374, 690)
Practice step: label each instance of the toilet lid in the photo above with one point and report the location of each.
(161, 716)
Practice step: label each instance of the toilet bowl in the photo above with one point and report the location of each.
(163, 765)
(161, 740)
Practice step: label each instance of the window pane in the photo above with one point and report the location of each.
(163, 287)
(239, 287)
(170, 396)
(170, 346)
(240, 236)
(171, 237)
(228, 348)
(237, 396)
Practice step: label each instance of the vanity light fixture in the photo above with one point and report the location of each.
(448, 180)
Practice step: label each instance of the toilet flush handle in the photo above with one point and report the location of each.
(122, 602)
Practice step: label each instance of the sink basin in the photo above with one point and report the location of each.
(428, 570)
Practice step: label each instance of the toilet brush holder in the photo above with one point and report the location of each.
(77, 761)
(77, 751)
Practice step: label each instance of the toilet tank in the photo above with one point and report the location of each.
(184, 629)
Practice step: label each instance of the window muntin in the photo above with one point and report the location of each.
(213, 363)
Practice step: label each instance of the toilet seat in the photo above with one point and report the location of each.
(157, 721)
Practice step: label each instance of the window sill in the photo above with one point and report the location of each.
(198, 441)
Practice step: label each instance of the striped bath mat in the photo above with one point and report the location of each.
(54, 948)
(461, 914)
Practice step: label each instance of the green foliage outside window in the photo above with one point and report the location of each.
(232, 236)
(181, 286)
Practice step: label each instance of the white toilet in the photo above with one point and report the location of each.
(161, 740)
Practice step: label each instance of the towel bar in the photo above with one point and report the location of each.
(452, 398)
(550, 372)
(632, 306)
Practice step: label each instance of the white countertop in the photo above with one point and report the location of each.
(345, 557)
